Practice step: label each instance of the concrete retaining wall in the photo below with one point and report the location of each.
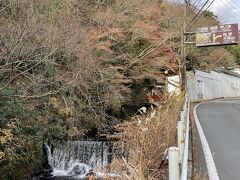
(210, 85)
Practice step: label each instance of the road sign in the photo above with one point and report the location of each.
(217, 35)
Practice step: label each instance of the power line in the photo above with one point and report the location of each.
(200, 10)
(201, 14)
(226, 5)
(193, 6)
(237, 8)
(231, 7)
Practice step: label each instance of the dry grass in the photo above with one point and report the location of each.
(200, 176)
(147, 140)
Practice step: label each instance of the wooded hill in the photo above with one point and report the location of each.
(67, 67)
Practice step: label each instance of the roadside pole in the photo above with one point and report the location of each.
(186, 39)
(173, 163)
(183, 60)
(181, 139)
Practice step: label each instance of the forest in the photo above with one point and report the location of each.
(71, 67)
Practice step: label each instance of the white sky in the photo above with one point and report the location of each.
(228, 11)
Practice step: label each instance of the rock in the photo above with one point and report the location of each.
(91, 173)
(77, 170)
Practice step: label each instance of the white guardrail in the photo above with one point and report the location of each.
(178, 156)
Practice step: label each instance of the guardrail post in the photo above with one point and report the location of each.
(185, 109)
(182, 115)
(180, 139)
(173, 163)
(179, 155)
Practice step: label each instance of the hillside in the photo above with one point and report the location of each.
(68, 67)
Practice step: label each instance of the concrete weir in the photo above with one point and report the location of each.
(81, 159)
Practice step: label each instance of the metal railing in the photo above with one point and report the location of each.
(178, 156)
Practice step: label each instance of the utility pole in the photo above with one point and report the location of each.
(183, 64)
(183, 61)
(186, 36)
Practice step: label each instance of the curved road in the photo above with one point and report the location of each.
(220, 121)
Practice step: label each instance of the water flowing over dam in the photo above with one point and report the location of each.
(79, 159)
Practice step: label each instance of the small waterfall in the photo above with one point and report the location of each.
(48, 151)
(79, 159)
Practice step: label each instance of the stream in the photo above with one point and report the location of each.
(81, 159)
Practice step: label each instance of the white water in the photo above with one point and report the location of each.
(48, 149)
(79, 158)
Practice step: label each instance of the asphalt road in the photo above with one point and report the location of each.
(220, 121)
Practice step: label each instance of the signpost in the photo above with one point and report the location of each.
(220, 35)
(217, 35)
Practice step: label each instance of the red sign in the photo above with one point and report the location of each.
(218, 35)
(155, 98)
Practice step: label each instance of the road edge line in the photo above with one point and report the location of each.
(211, 167)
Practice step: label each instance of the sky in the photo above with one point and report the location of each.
(228, 11)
